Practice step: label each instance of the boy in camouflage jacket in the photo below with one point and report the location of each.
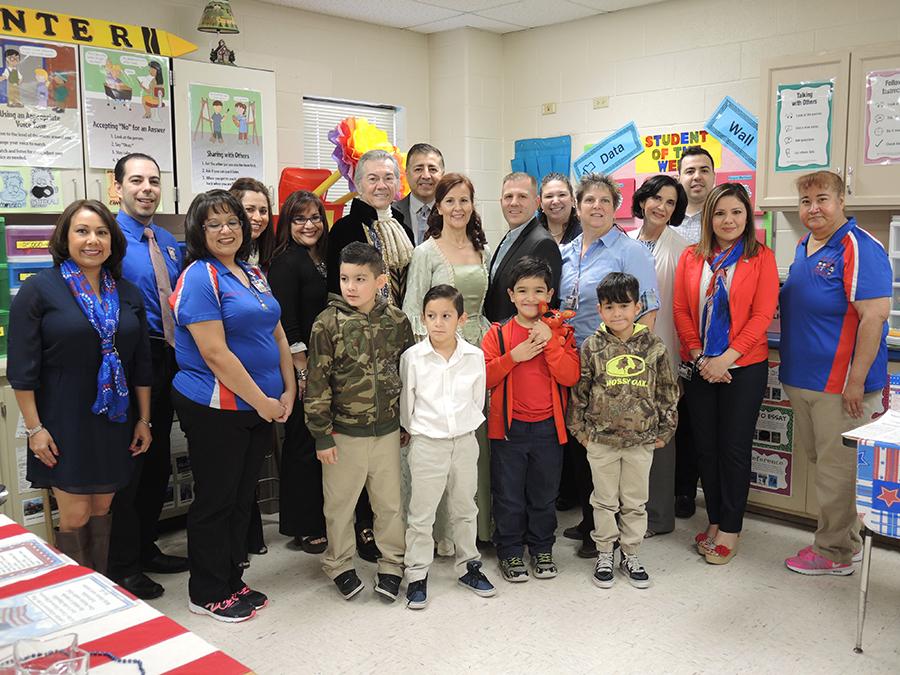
(353, 413)
(623, 407)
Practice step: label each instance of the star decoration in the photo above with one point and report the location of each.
(889, 497)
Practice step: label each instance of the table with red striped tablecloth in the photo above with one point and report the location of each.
(138, 632)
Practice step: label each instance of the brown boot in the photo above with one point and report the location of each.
(76, 545)
(98, 527)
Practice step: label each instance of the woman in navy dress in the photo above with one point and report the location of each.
(79, 362)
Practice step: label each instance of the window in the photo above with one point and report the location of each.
(321, 115)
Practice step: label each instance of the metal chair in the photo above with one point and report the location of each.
(878, 504)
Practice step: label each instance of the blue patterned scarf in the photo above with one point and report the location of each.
(716, 322)
(112, 390)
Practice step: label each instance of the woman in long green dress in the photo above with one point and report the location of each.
(454, 252)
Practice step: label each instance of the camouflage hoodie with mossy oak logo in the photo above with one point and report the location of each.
(354, 371)
(627, 394)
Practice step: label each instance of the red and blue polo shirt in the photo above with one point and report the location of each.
(818, 320)
(208, 291)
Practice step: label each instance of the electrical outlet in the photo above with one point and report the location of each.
(548, 109)
(601, 102)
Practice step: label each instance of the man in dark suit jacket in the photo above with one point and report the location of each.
(526, 237)
(424, 168)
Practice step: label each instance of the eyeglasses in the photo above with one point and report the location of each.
(217, 227)
(302, 220)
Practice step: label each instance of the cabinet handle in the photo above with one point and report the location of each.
(849, 180)
(74, 188)
(99, 190)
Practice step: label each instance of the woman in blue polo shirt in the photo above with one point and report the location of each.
(235, 378)
(601, 248)
(834, 309)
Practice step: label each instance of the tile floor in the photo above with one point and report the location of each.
(752, 616)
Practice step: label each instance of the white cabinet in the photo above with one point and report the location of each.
(818, 112)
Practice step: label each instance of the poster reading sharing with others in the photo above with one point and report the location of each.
(126, 106)
(40, 124)
(225, 136)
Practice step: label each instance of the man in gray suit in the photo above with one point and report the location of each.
(424, 168)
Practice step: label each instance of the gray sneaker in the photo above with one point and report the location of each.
(513, 569)
(603, 571)
(543, 566)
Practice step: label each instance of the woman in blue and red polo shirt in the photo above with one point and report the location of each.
(235, 378)
(834, 309)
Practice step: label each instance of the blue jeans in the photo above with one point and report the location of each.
(525, 472)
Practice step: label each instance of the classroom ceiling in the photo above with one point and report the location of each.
(434, 16)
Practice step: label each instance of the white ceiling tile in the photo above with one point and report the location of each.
(532, 13)
(467, 21)
(396, 13)
(466, 5)
(614, 5)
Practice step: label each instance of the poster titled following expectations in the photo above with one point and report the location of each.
(226, 140)
(40, 123)
(126, 106)
(883, 117)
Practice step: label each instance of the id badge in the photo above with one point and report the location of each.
(570, 303)
(259, 284)
(686, 370)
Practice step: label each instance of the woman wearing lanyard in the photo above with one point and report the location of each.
(557, 211)
(834, 309)
(235, 378)
(726, 291)
(79, 363)
(297, 277)
(660, 202)
(601, 248)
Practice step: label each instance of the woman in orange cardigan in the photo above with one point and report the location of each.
(726, 291)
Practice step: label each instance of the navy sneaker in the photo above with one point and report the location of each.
(388, 585)
(348, 584)
(475, 580)
(417, 594)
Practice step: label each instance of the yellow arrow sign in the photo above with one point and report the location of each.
(25, 22)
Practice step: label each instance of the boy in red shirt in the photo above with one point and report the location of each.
(529, 369)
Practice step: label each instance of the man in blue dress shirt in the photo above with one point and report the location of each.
(152, 263)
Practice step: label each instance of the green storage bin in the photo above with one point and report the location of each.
(4, 329)
(2, 239)
(5, 297)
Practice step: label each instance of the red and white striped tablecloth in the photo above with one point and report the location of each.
(139, 632)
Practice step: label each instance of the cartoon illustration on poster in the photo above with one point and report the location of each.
(126, 106)
(225, 138)
(29, 189)
(770, 471)
(40, 122)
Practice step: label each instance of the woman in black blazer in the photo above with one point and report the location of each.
(297, 277)
(79, 363)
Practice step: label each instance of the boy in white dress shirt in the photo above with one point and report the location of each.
(441, 407)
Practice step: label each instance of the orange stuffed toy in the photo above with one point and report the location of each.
(556, 320)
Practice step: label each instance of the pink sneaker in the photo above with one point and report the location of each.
(808, 562)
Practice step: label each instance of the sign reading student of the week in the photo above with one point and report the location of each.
(25, 22)
(662, 151)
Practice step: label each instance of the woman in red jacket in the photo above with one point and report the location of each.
(726, 291)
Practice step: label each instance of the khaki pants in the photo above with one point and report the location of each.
(437, 465)
(819, 421)
(621, 476)
(372, 462)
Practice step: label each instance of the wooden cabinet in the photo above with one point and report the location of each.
(818, 112)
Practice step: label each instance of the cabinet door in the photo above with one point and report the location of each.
(801, 128)
(873, 131)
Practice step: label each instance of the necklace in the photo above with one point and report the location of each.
(459, 246)
(556, 235)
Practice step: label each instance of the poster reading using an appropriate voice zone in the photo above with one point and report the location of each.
(126, 106)
(883, 117)
(226, 140)
(39, 117)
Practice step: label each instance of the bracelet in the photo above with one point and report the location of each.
(302, 374)
(34, 430)
(147, 422)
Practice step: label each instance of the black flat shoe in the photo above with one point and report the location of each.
(141, 586)
(573, 533)
(563, 504)
(685, 506)
(165, 564)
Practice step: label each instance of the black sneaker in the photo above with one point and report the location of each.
(603, 571)
(417, 594)
(685, 506)
(388, 585)
(348, 584)
(229, 610)
(513, 569)
(475, 580)
(631, 567)
(255, 598)
(366, 546)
